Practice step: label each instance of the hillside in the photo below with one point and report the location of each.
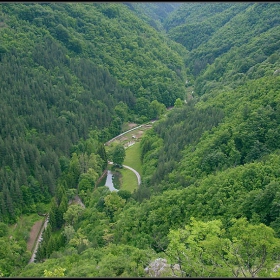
(194, 23)
(153, 13)
(244, 29)
(75, 73)
(62, 76)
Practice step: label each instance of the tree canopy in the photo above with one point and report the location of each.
(206, 78)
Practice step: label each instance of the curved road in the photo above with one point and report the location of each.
(133, 170)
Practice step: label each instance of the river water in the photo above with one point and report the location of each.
(109, 181)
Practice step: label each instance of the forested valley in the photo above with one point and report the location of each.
(74, 75)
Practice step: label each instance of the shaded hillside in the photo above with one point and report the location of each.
(47, 106)
(193, 13)
(193, 24)
(251, 30)
(154, 13)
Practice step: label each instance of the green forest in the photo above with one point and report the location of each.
(205, 76)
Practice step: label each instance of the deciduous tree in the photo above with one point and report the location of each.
(118, 154)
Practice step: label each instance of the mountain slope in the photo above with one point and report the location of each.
(208, 201)
(233, 124)
(65, 68)
(194, 23)
(113, 37)
(227, 27)
(154, 13)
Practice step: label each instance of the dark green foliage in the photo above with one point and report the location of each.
(124, 194)
(118, 154)
(102, 153)
(194, 23)
(73, 73)
(34, 154)
(57, 86)
(3, 229)
(176, 134)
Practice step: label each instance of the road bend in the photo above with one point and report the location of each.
(133, 170)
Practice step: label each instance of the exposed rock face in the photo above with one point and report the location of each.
(160, 267)
(157, 267)
(77, 200)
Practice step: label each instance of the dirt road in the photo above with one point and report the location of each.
(33, 235)
(38, 240)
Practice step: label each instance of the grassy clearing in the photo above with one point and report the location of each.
(25, 222)
(30, 220)
(132, 157)
(22, 228)
(128, 180)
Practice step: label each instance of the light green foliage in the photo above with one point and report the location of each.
(92, 161)
(254, 247)
(178, 103)
(121, 110)
(13, 255)
(156, 109)
(142, 107)
(186, 248)
(124, 194)
(205, 249)
(79, 240)
(3, 229)
(72, 214)
(87, 180)
(57, 272)
(113, 204)
(69, 232)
